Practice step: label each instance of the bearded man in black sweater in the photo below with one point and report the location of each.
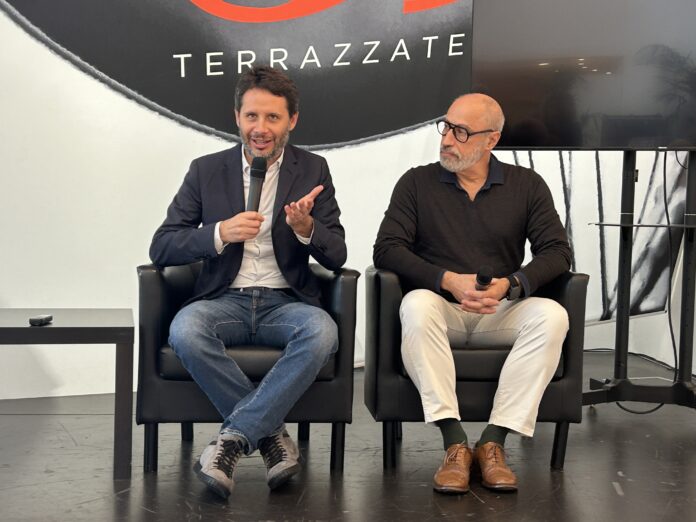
(445, 221)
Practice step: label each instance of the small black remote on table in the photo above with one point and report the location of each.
(40, 320)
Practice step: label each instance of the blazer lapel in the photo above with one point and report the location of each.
(286, 177)
(234, 187)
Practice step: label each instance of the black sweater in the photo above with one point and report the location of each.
(432, 226)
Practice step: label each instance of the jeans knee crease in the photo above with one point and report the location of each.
(256, 393)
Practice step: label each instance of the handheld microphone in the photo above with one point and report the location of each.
(484, 277)
(257, 173)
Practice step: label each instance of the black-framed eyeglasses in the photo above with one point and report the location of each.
(461, 134)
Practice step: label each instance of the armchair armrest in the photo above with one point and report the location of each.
(383, 326)
(382, 334)
(570, 291)
(338, 289)
(339, 298)
(152, 305)
(162, 292)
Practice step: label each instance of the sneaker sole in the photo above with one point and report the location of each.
(214, 485)
(285, 475)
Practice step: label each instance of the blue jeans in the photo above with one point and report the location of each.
(254, 316)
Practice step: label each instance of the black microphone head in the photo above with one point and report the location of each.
(484, 276)
(258, 167)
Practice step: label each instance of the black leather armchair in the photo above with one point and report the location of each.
(391, 396)
(167, 393)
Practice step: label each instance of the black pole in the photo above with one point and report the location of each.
(686, 327)
(623, 291)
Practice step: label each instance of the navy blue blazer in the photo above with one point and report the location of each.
(213, 191)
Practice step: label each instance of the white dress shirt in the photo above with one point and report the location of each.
(259, 266)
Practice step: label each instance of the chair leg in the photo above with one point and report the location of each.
(399, 430)
(150, 454)
(560, 440)
(389, 444)
(303, 431)
(338, 443)
(187, 431)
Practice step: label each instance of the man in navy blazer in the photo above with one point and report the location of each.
(255, 286)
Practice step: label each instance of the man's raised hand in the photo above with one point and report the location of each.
(297, 213)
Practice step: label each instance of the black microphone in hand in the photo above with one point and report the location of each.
(257, 173)
(484, 277)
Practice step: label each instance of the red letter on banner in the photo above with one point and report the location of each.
(287, 11)
(413, 6)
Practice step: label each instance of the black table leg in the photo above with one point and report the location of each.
(123, 412)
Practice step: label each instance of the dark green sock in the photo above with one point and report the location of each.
(493, 433)
(452, 432)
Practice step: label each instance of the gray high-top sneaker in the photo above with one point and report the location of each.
(281, 456)
(217, 462)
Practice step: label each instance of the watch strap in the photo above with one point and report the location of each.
(515, 289)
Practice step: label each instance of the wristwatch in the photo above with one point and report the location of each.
(515, 289)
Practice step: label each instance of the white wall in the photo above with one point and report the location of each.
(87, 176)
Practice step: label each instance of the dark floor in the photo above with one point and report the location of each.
(55, 464)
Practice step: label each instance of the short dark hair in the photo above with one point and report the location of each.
(271, 80)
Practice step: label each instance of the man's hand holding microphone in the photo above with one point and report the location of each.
(479, 293)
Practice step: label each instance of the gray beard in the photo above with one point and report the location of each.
(462, 163)
(459, 164)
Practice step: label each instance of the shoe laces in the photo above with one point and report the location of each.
(495, 453)
(227, 456)
(272, 450)
(457, 456)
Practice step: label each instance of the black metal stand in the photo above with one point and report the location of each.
(620, 388)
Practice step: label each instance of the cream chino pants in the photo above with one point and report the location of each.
(535, 327)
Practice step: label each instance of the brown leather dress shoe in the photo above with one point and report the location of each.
(453, 475)
(496, 475)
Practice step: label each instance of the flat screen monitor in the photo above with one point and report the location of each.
(596, 74)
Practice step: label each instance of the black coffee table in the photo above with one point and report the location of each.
(86, 326)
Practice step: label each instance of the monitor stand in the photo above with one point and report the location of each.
(620, 388)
